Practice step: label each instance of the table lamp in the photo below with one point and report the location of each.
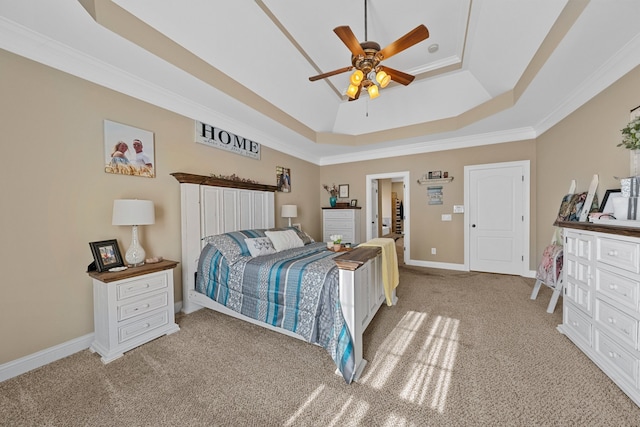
(289, 211)
(133, 212)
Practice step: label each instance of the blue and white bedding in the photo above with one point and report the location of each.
(295, 289)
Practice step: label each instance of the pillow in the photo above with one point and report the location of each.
(306, 239)
(232, 245)
(282, 240)
(260, 246)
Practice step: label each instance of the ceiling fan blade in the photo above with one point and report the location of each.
(331, 73)
(349, 39)
(398, 76)
(412, 37)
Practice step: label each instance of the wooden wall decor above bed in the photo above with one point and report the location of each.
(189, 178)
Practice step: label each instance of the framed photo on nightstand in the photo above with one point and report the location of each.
(106, 255)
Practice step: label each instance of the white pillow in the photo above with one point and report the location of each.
(260, 246)
(284, 239)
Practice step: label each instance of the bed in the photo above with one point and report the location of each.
(337, 294)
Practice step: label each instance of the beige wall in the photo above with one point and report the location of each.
(57, 199)
(582, 145)
(427, 229)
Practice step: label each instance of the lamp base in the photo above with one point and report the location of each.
(135, 254)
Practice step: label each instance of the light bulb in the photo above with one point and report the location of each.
(352, 90)
(383, 78)
(356, 77)
(373, 91)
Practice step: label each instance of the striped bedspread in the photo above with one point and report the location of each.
(295, 289)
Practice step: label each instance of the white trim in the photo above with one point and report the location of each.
(49, 355)
(44, 357)
(440, 265)
(526, 208)
(406, 203)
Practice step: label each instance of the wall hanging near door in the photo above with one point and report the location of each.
(434, 195)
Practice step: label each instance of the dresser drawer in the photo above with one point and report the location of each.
(141, 286)
(617, 323)
(618, 253)
(579, 245)
(332, 224)
(619, 288)
(143, 306)
(579, 294)
(616, 357)
(578, 270)
(142, 326)
(579, 327)
(339, 214)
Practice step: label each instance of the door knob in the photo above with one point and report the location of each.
(473, 226)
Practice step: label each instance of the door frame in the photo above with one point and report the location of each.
(406, 203)
(526, 208)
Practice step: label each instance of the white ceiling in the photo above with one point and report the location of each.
(504, 70)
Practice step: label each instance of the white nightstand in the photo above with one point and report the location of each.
(132, 307)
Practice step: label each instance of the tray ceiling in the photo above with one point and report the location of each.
(491, 71)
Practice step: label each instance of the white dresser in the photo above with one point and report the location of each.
(343, 221)
(601, 305)
(132, 307)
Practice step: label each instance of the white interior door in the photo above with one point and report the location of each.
(497, 222)
(374, 208)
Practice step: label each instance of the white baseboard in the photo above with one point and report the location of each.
(456, 267)
(442, 265)
(44, 357)
(51, 354)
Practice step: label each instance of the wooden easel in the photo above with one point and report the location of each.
(557, 240)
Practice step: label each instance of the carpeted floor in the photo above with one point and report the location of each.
(459, 349)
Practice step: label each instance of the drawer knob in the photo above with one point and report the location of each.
(613, 286)
(612, 252)
(613, 355)
(611, 320)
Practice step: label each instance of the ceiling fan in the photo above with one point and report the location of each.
(367, 56)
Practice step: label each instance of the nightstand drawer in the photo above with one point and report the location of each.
(143, 306)
(142, 326)
(141, 286)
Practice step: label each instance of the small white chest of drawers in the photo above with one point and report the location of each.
(343, 221)
(601, 306)
(132, 307)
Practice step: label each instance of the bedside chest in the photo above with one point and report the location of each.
(132, 307)
(343, 221)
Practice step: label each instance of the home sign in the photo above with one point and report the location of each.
(218, 138)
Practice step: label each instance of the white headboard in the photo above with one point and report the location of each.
(212, 206)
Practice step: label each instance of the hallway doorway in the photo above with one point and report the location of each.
(375, 219)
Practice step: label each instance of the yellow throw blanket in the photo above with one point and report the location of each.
(390, 275)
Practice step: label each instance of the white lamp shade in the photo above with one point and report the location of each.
(289, 211)
(133, 212)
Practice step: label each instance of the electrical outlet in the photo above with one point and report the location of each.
(446, 217)
(433, 251)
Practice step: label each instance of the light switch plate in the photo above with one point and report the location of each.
(458, 208)
(446, 217)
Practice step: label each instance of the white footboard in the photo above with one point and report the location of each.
(361, 294)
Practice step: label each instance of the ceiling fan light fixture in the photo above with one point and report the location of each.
(356, 77)
(352, 90)
(373, 91)
(383, 78)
